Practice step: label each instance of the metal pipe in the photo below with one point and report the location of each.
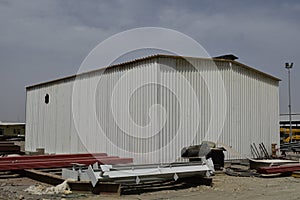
(290, 106)
(256, 150)
(289, 67)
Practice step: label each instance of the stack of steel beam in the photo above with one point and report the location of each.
(136, 174)
(56, 161)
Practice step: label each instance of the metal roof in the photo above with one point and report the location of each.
(11, 123)
(152, 57)
(285, 117)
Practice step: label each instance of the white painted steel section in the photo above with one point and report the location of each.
(144, 174)
(153, 172)
(251, 101)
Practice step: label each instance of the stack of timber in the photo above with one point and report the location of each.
(9, 148)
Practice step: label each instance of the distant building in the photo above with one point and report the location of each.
(12, 130)
(285, 121)
(285, 127)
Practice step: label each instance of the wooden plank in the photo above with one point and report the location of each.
(42, 176)
(6, 142)
(10, 148)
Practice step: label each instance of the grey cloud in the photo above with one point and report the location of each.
(42, 40)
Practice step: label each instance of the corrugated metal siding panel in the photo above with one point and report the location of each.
(251, 101)
(198, 81)
(120, 140)
(171, 71)
(252, 111)
(29, 122)
(252, 105)
(52, 127)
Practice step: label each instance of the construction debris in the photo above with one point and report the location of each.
(290, 147)
(207, 150)
(241, 172)
(62, 188)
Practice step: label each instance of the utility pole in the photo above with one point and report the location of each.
(289, 66)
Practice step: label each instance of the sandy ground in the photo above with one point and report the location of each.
(224, 187)
(228, 187)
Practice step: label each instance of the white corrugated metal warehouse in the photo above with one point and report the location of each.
(146, 109)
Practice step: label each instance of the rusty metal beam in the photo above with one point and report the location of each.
(53, 156)
(74, 160)
(61, 163)
(279, 169)
(56, 161)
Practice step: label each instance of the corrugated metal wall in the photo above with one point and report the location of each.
(117, 111)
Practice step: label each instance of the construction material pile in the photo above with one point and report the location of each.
(57, 161)
(9, 148)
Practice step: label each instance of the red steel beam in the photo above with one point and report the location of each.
(61, 163)
(42, 157)
(16, 161)
(51, 156)
(115, 161)
(279, 169)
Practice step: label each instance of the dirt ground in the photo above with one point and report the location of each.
(224, 187)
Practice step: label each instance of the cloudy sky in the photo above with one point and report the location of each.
(45, 39)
